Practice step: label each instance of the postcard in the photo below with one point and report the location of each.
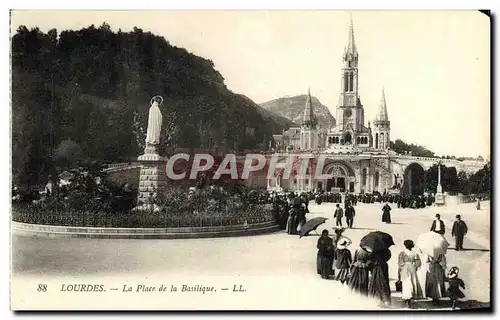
(250, 160)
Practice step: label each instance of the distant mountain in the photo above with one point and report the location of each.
(271, 116)
(292, 108)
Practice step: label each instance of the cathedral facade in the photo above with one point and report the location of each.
(359, 158)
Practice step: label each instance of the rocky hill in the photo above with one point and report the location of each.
(292, 108)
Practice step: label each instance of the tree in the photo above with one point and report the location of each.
(401, 147)
(481, 180)
(69, 153)
(92, 87)
(464, 182)
(449, 179)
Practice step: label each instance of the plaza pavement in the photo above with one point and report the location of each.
(277, 271)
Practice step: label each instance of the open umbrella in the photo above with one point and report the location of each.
(432, 243)
(311, 225)
(377, 241)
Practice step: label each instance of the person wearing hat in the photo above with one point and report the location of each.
(349, 215)
(343, 259)
(454, 284)
(459, 230)
(408, 264)
(438, 225)
(339, 213)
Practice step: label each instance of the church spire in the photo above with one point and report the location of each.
(308, 118)
(382, 112)
(351, 46)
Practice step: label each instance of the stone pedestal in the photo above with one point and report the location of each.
(439, 199)
(153, 176)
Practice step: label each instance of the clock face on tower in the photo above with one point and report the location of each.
(348, 113)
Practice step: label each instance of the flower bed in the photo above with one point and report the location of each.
(178, 209)
(147, 219)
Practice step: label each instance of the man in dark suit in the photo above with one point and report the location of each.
(458, 231)
(349, 215)
(339, 213)
(438, 225)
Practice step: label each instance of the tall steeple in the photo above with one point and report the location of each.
(351, 45)
(350, 111)
(308, 119)
(382, 115)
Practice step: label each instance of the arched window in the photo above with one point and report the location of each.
(346, 81)
(358, 140)
(347, 138)
(351, 80)
(376, 140)
(382, 141)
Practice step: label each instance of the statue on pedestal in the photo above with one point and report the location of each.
(152, 180)
(398, 182)
(155, 120)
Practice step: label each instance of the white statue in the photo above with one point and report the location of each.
(155, 120)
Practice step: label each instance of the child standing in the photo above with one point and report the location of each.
(343, 260)
(454, 284)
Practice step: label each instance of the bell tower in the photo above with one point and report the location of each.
(350, 112)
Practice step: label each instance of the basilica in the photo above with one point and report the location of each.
(358, 155)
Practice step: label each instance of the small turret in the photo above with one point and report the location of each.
(382, 111)
(382, 125)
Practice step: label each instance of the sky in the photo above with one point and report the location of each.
(433, 65)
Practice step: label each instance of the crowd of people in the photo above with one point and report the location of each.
(420, 274)
(402, 201)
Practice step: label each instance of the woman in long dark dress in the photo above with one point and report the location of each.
(325, 255)
(386, 213)
(434, 282)
(379, 282)
(291, 226)
(358, 280)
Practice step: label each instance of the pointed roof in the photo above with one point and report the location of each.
(351, 44)
(308, 117)
(382, 111)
